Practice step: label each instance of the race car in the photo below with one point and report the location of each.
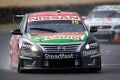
(106, 18)
(54, 40)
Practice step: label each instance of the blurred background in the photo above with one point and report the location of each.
(8, 8)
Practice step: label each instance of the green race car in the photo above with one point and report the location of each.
(54, 40)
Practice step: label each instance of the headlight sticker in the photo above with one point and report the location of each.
(93, 45)
(90, 52)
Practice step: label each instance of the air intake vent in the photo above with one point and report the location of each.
(65, 48)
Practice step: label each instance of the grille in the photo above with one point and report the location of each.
(103, 36)
(62, 63)
(102, 27)
(104, 33)
(68, 48)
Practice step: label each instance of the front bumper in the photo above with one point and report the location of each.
(76, 63)
(105, 35)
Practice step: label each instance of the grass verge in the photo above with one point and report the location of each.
(7, 27)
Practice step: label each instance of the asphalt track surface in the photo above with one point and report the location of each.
(110, 65)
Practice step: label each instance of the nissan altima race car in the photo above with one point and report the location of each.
(54, 40)
(107, 19)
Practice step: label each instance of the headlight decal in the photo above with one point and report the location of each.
(90, 52)
(92, 45)
(28, 46)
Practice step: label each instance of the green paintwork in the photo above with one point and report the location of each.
(43, 39)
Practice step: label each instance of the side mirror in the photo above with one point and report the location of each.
(93, 29)
(16, 32)
(17, 19)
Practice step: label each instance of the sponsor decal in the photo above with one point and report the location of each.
(50, 13)
(59, 37)
(74, 37)
(63, 33)
(59, 56)
(63, 37)
(90, 52)
(40, 18)
(75, 21)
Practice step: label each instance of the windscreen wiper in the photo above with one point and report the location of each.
(43, 29)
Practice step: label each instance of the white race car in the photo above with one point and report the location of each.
(107, 19)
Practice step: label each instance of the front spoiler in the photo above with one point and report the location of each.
(86, 63)
(72, 68)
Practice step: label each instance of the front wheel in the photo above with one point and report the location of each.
(95, 69)
(19, 69)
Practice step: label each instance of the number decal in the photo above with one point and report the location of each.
(75, 21)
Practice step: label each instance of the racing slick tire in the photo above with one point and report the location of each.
(19, 69)
(95, 69)
(98, 69)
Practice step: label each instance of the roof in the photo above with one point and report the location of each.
(53, 15)
(107, 8)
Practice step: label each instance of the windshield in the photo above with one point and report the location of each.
(105, 14)
(55, 26)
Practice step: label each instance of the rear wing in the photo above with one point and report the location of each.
(17, 19)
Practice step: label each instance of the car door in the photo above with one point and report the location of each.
(14, 44)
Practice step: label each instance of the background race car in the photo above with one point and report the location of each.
(106, 18)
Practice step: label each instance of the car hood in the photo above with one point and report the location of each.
(102, 21)
(67, 37)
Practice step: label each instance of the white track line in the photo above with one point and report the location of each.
(110, 64)
(107, 51)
